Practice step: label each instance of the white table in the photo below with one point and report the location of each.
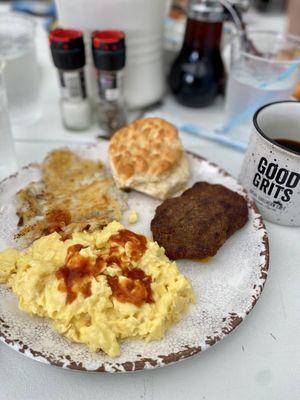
(260, 360)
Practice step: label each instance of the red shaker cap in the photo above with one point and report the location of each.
(64, 35)
(67, 48)
(107, 37)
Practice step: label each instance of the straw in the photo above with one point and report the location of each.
(199, 132)
(213, 136)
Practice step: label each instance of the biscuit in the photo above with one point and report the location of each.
(147, 156)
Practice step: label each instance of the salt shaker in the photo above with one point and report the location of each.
(67, 48)
(109, 58)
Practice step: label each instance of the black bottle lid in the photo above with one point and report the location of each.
(109, 50)
(67, 48)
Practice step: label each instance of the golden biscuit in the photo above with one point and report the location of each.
(147, 155)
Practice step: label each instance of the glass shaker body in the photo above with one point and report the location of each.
(111, 110)
(74, 104)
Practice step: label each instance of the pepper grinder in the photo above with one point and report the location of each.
(109, 59)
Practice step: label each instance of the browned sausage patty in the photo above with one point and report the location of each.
(197, 223)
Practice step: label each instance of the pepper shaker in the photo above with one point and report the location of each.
(108, 49)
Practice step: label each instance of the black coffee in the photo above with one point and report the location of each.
(289, 144)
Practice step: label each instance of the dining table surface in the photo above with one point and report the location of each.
(259, 360)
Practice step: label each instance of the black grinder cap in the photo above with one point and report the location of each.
(109, 50)
(67, 48)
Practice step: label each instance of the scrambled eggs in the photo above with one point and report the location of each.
(100, 287)
(132, 217)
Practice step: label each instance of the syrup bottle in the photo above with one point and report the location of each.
(197, 75)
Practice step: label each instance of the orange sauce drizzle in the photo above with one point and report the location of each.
(76, 274)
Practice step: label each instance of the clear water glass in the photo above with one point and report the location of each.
(256, 76)
(8, 162)
(17, 49)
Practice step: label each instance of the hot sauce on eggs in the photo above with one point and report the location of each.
(124, 248)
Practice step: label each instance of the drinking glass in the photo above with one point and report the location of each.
(17, 49)
(262, 69)
(7, 154)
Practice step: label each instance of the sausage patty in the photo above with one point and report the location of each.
(197, 223)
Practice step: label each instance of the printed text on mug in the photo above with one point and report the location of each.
(274, 181)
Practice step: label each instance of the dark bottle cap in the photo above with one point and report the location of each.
(67, 48)
(109, 50)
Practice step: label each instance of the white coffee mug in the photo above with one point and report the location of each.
(271, 170)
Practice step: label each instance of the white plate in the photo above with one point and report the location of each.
(227, 287)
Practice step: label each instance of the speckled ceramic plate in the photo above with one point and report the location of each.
(227, 287)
